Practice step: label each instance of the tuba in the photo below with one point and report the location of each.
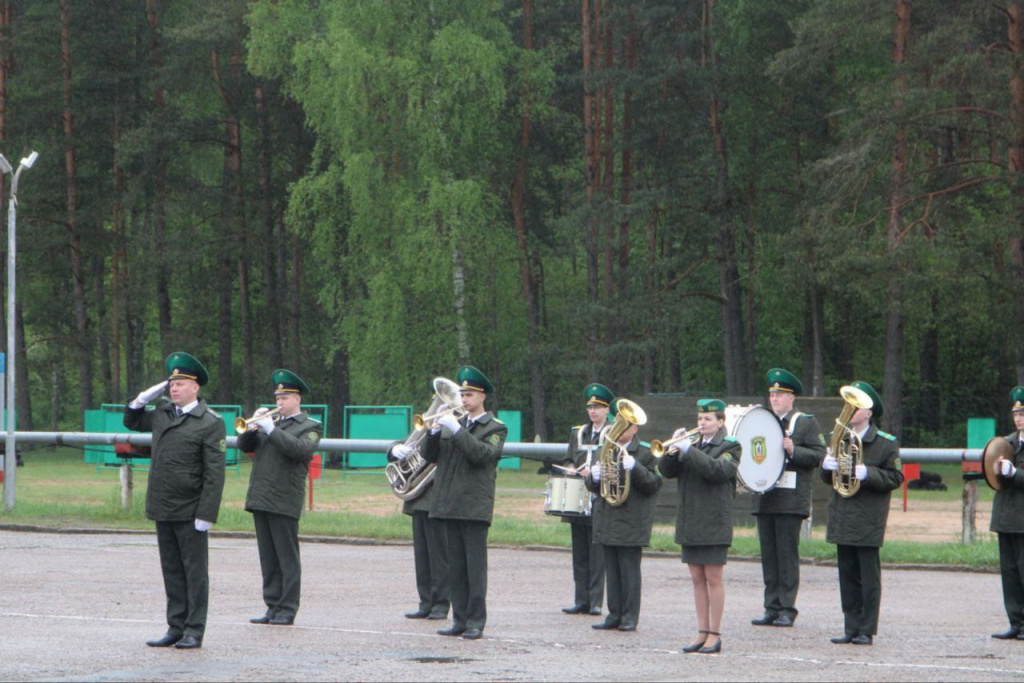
(846, 445)
(615, 486)
(410, 476)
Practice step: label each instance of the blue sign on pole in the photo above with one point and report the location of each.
(3, 362)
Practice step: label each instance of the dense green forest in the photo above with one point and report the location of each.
(666, 196)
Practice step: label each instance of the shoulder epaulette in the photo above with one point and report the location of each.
(497, 420)
(730, 439)
(886, 435)
(313, 419)
(213, 412)
(806, 414)
(645, 444)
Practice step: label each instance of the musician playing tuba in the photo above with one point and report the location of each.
(856, 524)
(705, 468)
(1008, 522)
(623, 527)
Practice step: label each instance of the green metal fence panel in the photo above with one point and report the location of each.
(980, 431)
(513, 419)
(374, 422)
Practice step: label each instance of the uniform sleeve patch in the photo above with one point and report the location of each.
(223, 445)
(495, 439)
(314, 437)
(821, 439)
(726, 456)
(899, 463)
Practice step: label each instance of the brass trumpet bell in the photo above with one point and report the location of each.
(659, 448)
(242, 425)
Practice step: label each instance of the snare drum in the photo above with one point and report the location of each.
(760, 434)
(566, 496)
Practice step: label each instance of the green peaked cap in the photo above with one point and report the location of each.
(471, 379)
(181, 365)
(780, 379)
(600, 395)
(710, 405)
(1017, 396)
(287, 382)
(876, 409)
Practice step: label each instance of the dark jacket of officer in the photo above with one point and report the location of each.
(277, 482)
(706, 482)
(808, 451)
(1008, 504)
(630, 523)
(577, 457)
(467, 466)
(186, 474)
(424, 501)
(860, 519)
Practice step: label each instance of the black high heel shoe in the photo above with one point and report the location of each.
(714, 649)
(696, 646)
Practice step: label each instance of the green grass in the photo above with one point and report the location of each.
(56, 489)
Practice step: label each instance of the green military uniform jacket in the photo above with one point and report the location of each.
(424, 501)
(1008, 505)
(186, 475)
(467, 467)
(277, 482)
(577, 457)
(630, 523)
(706, 482)
(808, 451)
(860, 519)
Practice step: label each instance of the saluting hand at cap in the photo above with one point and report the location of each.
(149, 394)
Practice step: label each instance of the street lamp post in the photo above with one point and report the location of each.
(10, 454)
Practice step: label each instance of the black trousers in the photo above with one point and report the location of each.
(1011, 567)
(587, 566)
(430, 552)
(277, 537)
(622, 569)
(467, 572)
(860, 588)
(184, 560)
(780, 562)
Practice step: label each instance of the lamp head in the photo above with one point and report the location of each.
(5, 166)
(29, 160)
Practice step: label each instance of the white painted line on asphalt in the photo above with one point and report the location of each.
(885, 665)
(71, 617)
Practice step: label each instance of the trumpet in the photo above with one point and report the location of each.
(243, 425)
(659, 448)
(424, 421)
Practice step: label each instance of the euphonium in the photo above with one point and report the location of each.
(410, 476)
(615, 486)
(846, 445)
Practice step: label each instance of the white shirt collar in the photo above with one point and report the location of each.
(189, 407)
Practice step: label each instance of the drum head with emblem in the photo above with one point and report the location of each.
(764, 459)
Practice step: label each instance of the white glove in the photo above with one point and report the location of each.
(401, 451)
(266, 424)
(628, 462)
(261, 410)
(451, 422)
(203, 525)
(861, 472)
(595, 472)
(148, 395)
(830, 464)
(679, 432)
(1006, 468)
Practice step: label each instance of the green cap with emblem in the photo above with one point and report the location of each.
(287, 382)
(710, 405)
(1017, 397)
(876, 400)
(780, 379)
(181, 365)
(471, 379)
(598, 395)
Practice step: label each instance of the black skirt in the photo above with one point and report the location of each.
(705, 554)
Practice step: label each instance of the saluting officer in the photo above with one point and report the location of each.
(781, 511)
(706, 472)
(1008, 523)
(186, 481)
(622, 531)
(587, 556)
(277, 484)
(857, 524)
(466, 451)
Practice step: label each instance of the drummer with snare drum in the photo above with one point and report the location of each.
(781, 511)
(587, 556)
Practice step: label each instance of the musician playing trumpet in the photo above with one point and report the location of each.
(856, 524)
(705, 467)
(282, 451)
(623, 530)
(1008, 523)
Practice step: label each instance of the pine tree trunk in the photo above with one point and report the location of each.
(163, 269)
(590, 153)
(1015, 35)
(270, 293)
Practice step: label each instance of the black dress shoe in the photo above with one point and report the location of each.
(189, 643)
(595, 611)
(627, 627)
(695, 647)
(861, 640)
(606, 625)
(453, 631)
(1007, 635)
(764, 620)
(712, 649)
(473, 634)
(783, 621)
(166, 640)
(418, 614)
(265, 619)
(576, 609)
(281, 621)
(843, 640)
(436, 615)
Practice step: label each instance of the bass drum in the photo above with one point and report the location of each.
(760, 434)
